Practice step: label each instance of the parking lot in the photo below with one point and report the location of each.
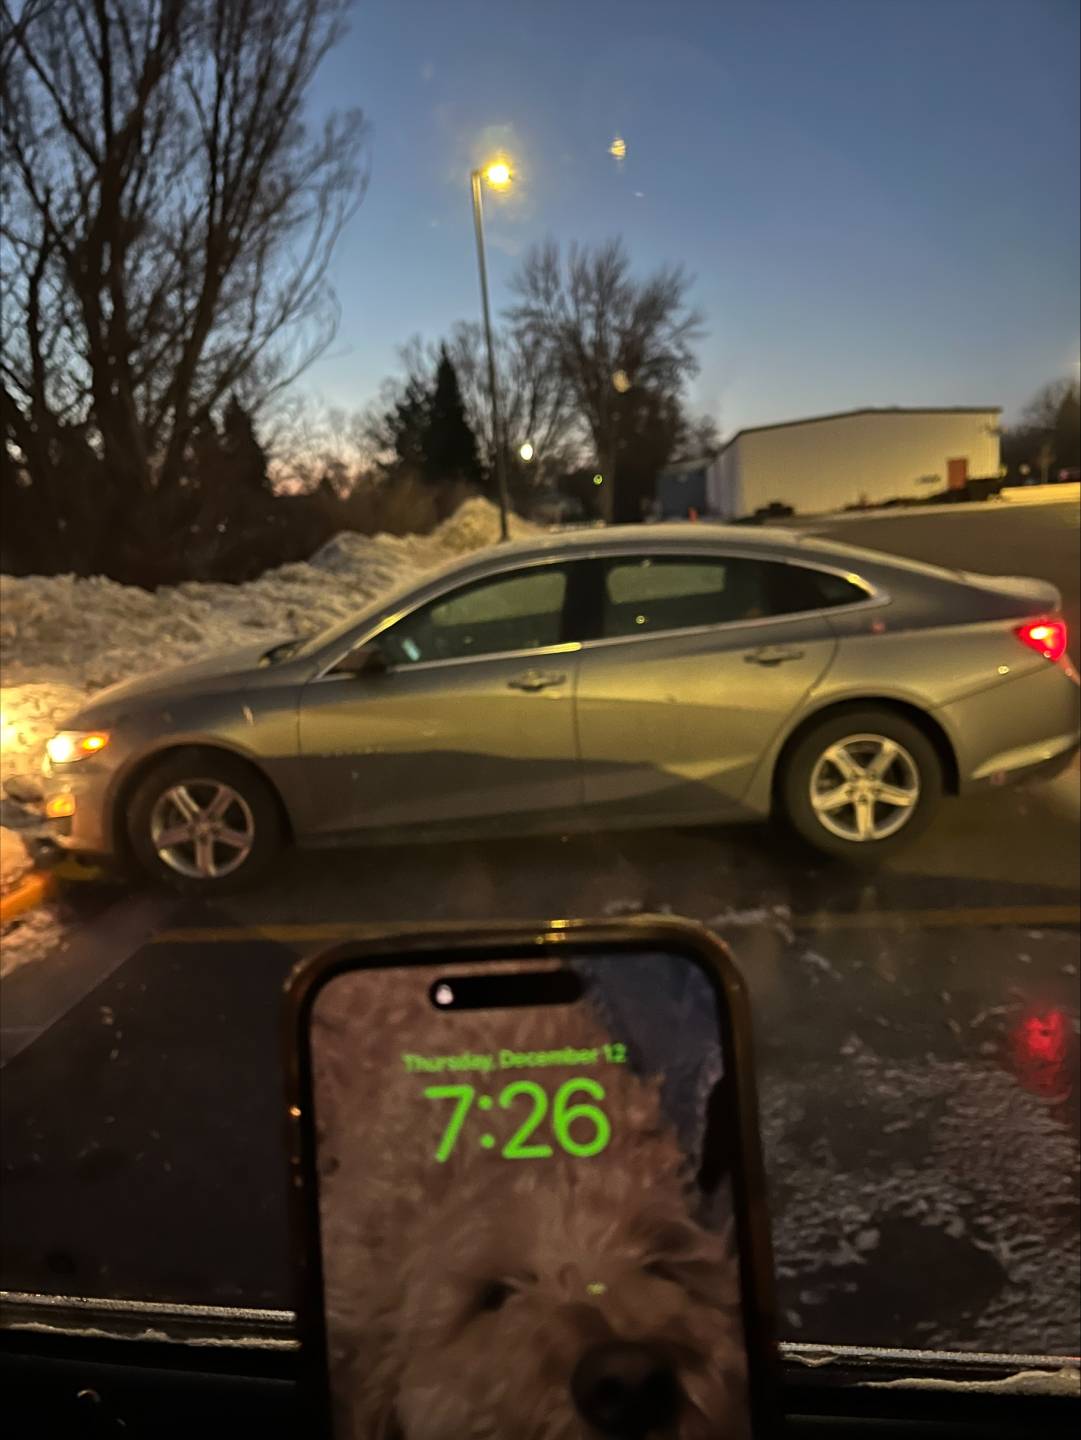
(916, 1031)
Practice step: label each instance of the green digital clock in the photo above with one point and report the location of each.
(579, 1127)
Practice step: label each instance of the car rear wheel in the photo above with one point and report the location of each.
(861, 784)
(203, 823)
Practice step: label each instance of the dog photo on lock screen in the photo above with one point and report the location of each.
(514, 1242)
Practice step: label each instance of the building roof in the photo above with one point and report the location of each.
(868, 410)
(688, 467)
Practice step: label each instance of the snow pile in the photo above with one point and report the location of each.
(36, 934)
(14, 861)
(86, 634)
(28, 716)
(62, 638)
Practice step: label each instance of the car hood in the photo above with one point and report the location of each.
(218, 671)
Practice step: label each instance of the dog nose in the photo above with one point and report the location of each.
(625, 1391)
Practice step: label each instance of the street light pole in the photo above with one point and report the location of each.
(497, 431)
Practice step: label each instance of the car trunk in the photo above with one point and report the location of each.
(1023, 594)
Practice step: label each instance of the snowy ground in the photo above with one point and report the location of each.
(62, 638)
(14, 861)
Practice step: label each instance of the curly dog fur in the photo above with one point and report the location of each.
(461, 1296)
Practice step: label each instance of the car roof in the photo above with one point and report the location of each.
(596, 540)
(771, 542)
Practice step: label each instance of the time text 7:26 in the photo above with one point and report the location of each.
(591, 1127)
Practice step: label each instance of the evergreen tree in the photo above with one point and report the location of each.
(401, 430)
(450, 447)
(241, 447)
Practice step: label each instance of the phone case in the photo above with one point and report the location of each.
(541, 940)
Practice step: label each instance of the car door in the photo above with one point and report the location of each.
(695, 667)
(472, 719)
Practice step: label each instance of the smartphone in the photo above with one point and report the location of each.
(528, 1188)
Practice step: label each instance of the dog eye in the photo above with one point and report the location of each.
(494, 1295)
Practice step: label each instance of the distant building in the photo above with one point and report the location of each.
(681, 489)
(858, 457)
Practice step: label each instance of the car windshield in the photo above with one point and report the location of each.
(673, 418)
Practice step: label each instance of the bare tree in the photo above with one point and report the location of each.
(1053, 419)
(535, 400)
(618, 343)
(310, 443)
(698, 439)
(168, 219)
(1048, 433)
(1042, 412)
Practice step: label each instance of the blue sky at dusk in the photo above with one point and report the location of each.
(879, 199)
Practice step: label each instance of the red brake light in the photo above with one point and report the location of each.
(1043, 1037)
(1047, 637)
(1041, 1053)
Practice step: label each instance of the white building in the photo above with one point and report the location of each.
(859, 457)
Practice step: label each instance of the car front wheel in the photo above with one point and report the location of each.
(203, 823)
(861, 784)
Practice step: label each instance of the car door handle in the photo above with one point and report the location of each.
(536, 680)
(772, 655)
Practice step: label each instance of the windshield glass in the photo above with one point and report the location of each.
(792, 285)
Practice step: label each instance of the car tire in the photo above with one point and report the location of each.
(854, 816)
(232, 817)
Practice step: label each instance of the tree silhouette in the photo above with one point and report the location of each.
(450, 447)
(1048, 436)
(242, 450)
(625, 347)
(168, 217)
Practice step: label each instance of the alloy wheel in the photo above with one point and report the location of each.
(864, 788)
(203, 829)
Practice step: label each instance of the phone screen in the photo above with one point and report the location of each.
(524, 1228)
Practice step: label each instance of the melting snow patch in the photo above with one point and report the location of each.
(819, 962)
(30, 938)
(987, 1166)
(774, 917)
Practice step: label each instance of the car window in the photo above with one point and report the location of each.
(671, 592)
(796, 587)
(513, 612)
(665, 592)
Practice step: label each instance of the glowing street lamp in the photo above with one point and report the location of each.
(498, 175)
(526, 452)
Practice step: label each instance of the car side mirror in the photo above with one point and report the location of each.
(364, 660)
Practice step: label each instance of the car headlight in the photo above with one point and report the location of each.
(68, 745)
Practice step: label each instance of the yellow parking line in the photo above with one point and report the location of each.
(77, 870)
(34, 890)
(40, 885)
(973, 917)
(286, 934)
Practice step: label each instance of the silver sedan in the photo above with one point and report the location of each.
(639, 676)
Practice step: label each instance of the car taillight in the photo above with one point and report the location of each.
(1047, 637)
